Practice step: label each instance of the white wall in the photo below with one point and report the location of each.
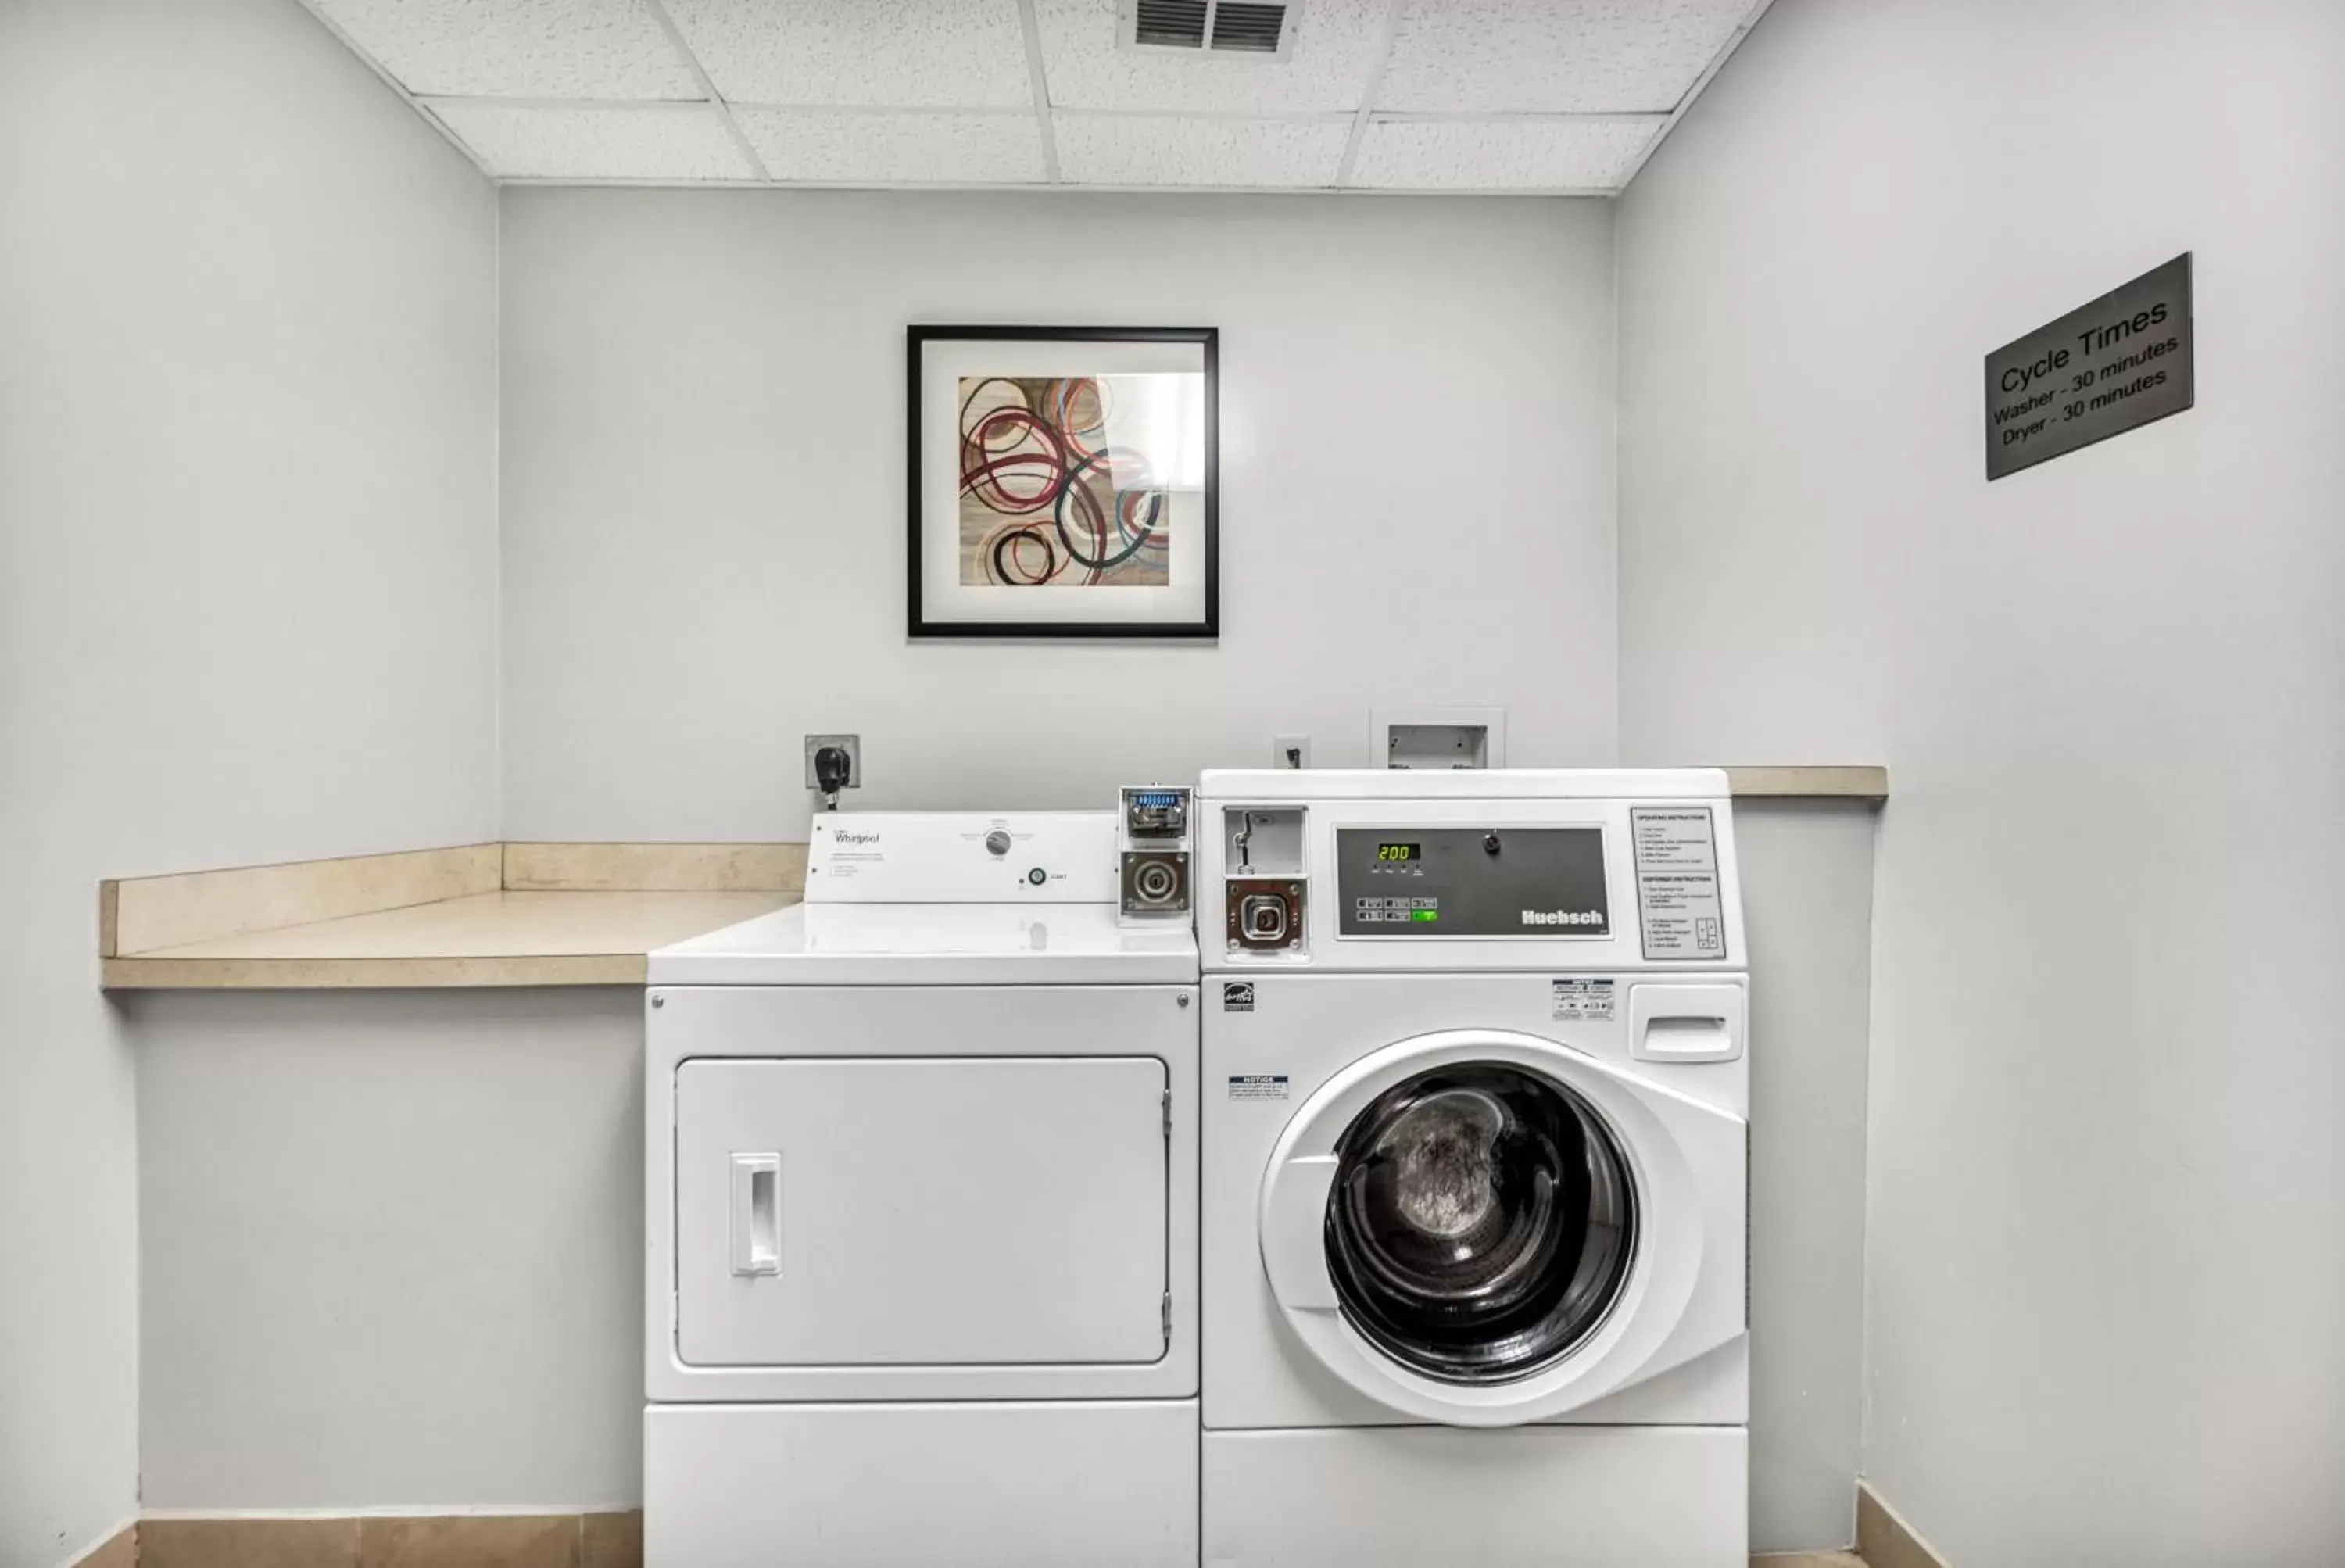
(2104, 1271)
(703, 493)
(247, 586)
(1807, 903)
(393, 1246)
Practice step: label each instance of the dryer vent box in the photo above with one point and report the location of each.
(1442, 737)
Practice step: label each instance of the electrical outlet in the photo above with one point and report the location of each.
(1290, 752)
(851, 744)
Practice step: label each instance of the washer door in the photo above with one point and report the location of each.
(1483, 1227)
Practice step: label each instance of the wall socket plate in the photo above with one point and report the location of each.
(1290, 752)
(854, 748)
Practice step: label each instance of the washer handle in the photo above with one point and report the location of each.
(756, 1184)
(1294, 1231)
(1685, 1022)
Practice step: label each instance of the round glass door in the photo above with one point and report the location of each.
(1481, 1222)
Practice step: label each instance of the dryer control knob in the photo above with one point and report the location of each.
(997, 842)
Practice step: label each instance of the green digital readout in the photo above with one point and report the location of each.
(1397, 852)
(1425, 914)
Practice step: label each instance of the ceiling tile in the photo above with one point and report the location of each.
(664, 142)
(891, 53)
(1147, 149)
(896, 149)
(1501, 155)
(1553, 56)
(1335, 49)
(518, 48)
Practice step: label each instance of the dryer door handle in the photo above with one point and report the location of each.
(1294, 1234)
(756, 1186)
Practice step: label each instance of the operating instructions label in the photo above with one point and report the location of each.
(1677, 882)
(1577, 1000)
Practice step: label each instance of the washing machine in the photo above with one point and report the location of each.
(1473, 1176)
(922, 1212)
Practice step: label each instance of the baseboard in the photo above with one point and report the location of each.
(1884, 1539)
(612, 1540)
(473, 1539)
(119, 1550)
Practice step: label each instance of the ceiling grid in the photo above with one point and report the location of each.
(1487, 96)
(708, 88)
(1361, 115)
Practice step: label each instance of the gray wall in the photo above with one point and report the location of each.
(2104, 1275)
(1807, 897)
(247, 586)
(390, 1249)
(704, 492)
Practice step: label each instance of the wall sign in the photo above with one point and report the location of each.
(2102, 369)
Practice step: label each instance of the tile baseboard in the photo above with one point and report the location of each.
(495, 1540)
(119, 1550)
(614, 1540)
(1884, 1539)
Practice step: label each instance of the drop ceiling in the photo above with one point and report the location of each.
(1531, 96)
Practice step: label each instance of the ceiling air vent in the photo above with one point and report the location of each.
(1170, 24)
(1256, 29)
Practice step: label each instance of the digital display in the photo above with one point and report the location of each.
(1415, 882)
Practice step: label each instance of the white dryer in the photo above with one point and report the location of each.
(921, 1217)
(1474, 1170)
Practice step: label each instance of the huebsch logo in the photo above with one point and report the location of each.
(1563, 917)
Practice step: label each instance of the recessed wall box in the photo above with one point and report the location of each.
(1438, 738)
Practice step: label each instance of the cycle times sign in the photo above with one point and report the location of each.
(2097, 372)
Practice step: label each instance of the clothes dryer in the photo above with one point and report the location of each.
(922, 1212)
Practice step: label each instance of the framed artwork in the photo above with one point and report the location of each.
(1064, 482)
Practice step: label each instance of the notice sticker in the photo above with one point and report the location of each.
(1677, 882)
(1257, 1085)
(1582, 1000)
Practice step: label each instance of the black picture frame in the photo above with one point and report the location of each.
(918, 625)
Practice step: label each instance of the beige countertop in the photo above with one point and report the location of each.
(469, 915)
(571, 938)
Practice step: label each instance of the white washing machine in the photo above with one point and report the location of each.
(1474, 1170)
(922, 1212)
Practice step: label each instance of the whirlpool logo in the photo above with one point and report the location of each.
(845, 836)
(1563, 917)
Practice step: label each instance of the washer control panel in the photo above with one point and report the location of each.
(1492, 880)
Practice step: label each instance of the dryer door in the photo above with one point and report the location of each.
(1482, 1227)
(920, 1211)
